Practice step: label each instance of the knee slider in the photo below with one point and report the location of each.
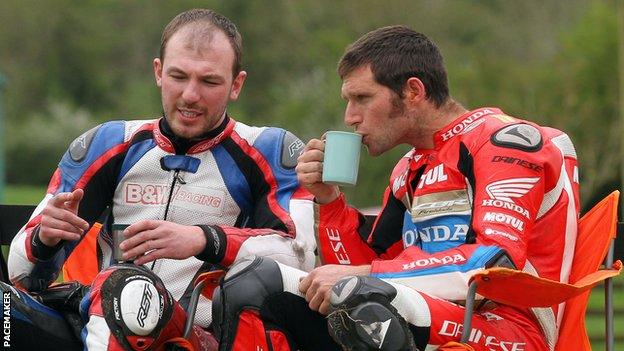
(245, 287)
(135, 304)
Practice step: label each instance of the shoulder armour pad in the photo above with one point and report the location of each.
(79, 147)
(291, 149)
(519, 136)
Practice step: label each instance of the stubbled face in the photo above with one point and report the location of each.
(195, 79)
(374, 111)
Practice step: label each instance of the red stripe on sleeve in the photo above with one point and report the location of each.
(97, 165)
(55, 182)
(236, 237)
(269, 178)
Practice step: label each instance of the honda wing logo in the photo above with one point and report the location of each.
(507, 189)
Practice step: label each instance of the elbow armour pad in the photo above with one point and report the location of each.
(135, 304)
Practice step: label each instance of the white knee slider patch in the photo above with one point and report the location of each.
(139, 306)
(136, 306)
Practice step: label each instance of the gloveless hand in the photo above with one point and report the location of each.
(149, 240)
(310, 172)
(59, 219)
(317, 285)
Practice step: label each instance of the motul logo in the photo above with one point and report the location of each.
(464, 124)
(434, 175)
(504, 218)
(431, 261)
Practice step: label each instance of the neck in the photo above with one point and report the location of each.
(431, 120)
(448, 112)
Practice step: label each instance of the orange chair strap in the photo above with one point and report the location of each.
(520, 289)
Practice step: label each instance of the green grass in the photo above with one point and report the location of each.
(595, 323)
(23, 194)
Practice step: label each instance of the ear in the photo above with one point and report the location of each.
(237, 85)
(158, 71)
(414, 91)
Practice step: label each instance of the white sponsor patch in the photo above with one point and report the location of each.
(205, 200)
(453, 202)
(490, 231)
(337, 246)
(443, 233)
(507, 189)
(399, 182)
(504, 218)
(466, 124)
(506, 205)
(434, 261)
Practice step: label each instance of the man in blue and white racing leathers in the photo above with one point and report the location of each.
(198, 189)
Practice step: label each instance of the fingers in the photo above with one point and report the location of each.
(59, 220)
(155, 252)
(67, 201)
(304, 284)
(324, 307)
(141, 226)
(75, 198)
(317, 294)
(59, 199)
(139, 243)
(310, 163)
(316, 144)
(313, 151)
(310, 286)
(62, 214)
(53, 236)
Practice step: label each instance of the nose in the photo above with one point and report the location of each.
(352, 117)
(190, 94)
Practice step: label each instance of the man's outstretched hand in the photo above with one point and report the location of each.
(59, 219)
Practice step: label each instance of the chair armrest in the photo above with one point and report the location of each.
(520, 289)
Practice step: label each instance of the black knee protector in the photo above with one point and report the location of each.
(136, 305)
(246, 285)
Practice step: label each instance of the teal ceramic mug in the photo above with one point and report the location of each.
(342, 158)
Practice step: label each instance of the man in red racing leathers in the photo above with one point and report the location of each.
(197, 188)
(479, 189)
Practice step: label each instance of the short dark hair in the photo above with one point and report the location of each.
(395, 54)
(213, 19)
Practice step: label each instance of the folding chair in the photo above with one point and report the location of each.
(596, 233)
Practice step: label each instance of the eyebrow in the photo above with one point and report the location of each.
(207, 76)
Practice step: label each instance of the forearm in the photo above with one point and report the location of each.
(339, 241)
(444, 274)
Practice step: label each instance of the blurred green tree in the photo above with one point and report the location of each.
(73, 64)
